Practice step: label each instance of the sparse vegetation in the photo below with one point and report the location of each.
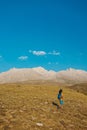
(82, 88)
(29, 107)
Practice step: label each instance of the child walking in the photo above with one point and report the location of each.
(60, 97)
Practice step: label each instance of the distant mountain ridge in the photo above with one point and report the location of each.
(15, 75)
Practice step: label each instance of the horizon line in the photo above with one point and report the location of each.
(70, 68)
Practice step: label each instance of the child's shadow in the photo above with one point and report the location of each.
(55, 104)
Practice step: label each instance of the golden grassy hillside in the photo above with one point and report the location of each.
(29, 107)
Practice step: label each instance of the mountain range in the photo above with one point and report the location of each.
(70, 76)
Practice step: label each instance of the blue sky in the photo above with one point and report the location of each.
(47, 33)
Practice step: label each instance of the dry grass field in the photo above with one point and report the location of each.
(29, 107)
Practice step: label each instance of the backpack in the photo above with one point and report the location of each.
(59, 96)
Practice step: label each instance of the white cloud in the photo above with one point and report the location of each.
(54, 53)
(42, 53)
(38, 53)
(23, 57)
